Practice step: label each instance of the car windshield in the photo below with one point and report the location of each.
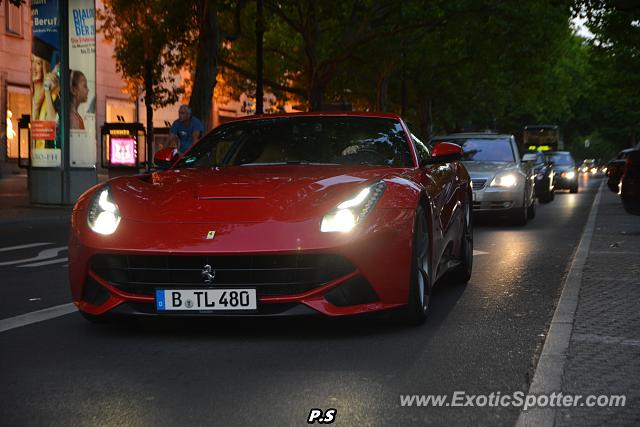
(561, 159)
(486, 150)
(345, 140)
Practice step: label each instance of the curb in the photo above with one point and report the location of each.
(547, 378)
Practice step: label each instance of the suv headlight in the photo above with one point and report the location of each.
(103, 216)
(352, 211)
(505, 180)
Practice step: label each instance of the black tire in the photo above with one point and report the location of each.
(421, 281)
(531, 210)
(462, 272)
(552, 194)
(574, 189)
(93, 318)
(519, 216)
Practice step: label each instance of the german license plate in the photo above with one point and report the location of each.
(205, 299)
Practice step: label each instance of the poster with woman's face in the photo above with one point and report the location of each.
(45, 85)
(82, 83)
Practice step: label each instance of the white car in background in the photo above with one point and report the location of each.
(503, 185)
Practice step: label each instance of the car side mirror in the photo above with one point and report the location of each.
(446, 152)
(164, 158)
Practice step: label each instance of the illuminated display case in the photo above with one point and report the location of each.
(123, 146)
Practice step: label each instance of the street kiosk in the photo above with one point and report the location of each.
(123, 148)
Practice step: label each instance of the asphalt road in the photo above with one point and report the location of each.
(481, 338)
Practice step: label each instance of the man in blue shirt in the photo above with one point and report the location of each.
(185, 131)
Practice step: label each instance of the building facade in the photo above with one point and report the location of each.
(113, 104)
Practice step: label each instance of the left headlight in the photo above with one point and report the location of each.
(505, 180)
(103, 216)
(352, 211)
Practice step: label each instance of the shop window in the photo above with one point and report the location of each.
(120, 111)
(18, 103)
(14, 19)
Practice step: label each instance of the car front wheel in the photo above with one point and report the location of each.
(419, 303)
(462, 272)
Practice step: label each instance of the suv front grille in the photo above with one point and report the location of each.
(271, 275)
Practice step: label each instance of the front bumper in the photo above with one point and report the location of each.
(377, 254)
(564, 183)
(496, 199)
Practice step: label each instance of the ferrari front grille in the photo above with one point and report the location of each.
(271, 275)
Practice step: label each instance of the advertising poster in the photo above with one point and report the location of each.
(82, 83)
(45, 84)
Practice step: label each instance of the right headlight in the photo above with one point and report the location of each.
(505, 180)
(352, 211)
(103, 216)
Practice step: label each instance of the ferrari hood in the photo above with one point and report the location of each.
(241, 193)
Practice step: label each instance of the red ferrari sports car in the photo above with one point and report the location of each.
(331, 213)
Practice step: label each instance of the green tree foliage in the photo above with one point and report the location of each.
(149, 37)
(447, 65)
(615, 64)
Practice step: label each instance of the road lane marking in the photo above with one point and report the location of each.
(30, 245)
(547, 378)
(45, 254)
(38, 264)
(476, 252)
(36, 316)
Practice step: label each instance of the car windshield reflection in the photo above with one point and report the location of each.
(303, 141)
(487, 150)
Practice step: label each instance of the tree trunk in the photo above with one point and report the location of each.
(382, 92)
(206, 63)
(425, 117)
(382, 87)
(259, 58)
(148, 101)
(316, 96)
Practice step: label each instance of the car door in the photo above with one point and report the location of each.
(446, 184)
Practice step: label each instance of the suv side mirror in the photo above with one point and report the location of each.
(164, 158)
(446, 152)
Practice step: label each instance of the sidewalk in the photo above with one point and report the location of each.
(15, 206)
(593, 344)
(604, 350)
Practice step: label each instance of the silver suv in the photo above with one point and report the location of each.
(502, 183)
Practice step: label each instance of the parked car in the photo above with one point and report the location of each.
(544, 175)
(630, 183)
(312, 213)
(615, 169)
(566, 176)
(502, 184)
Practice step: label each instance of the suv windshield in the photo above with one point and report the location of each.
(561, 159)
(294, 140)
(486, 149)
